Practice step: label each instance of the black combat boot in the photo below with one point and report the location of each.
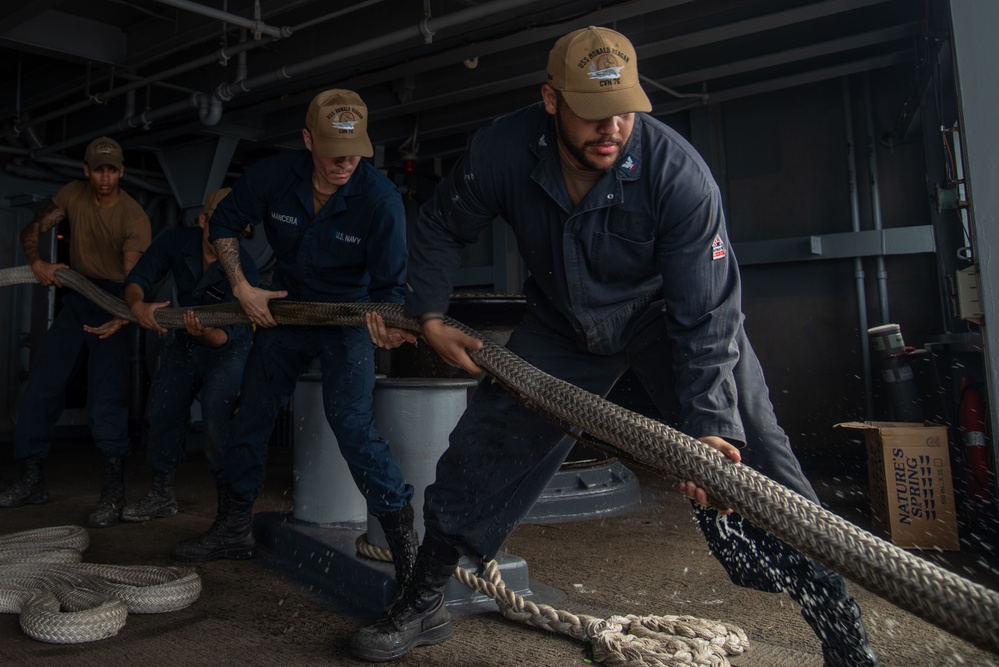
(160, 502)
(231, 536)
(418, 617)
(834, 616)
(403, 543)
(29, 488)
(112, 494)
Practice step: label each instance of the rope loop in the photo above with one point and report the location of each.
(619, 641)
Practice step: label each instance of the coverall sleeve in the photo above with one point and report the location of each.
(245, 205)
(702, 294)
(152, 267)
(386, 255)
(452, 219)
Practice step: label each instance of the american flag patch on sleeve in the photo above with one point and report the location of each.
(717, 248)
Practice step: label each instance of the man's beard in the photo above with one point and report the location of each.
(579, 152)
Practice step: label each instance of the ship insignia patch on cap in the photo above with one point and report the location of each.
(605, 66)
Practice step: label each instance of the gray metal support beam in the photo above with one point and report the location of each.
(197, 168)
(67, 34)
(973, 24)
(868, 243)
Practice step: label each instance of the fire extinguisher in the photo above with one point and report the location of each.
(977, 474)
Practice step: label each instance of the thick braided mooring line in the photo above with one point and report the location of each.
(619, 641)
(39, 580)
(966, 609)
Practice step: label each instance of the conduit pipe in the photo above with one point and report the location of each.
(858, 263)
(386, 40)
(223, 91)
(64, 170)
(872, 161)
(128, 121)
(68, 162)
(258, 27)
(284, 73)
(133, 176)
(148, 117)
(209, 110)
(219, 56)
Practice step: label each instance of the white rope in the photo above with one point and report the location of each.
(619, 641)
(61, 600)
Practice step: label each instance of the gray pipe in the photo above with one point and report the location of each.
(858, 263)
(872, 161)
(388, 39)
(222, 55)
(258, 27)
(65, 165)
(284, 73)
(100, 98)
(67, 162)
(128, 120)
(209, 110)
(148, 117)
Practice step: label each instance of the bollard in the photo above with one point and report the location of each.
(323, 491)
(416, 416)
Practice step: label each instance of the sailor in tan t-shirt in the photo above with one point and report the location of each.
(108, 233)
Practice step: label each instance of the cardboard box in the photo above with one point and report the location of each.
(912, 491)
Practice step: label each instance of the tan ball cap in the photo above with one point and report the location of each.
(213, 199)
(338, 121)
(596, 70)
(102, 151)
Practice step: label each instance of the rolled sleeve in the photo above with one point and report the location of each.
(152, 267)
(245, 205)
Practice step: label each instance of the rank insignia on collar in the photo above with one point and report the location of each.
(629, 164)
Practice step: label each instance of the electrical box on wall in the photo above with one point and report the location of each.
(968, 295)
(969, 305)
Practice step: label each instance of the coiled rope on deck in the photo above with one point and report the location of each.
(964, 608)
(61, 600)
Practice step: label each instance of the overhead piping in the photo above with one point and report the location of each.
(220, 56)
(284, 73)
(389, 39)
(133, 176)
(148, 117)
(333, 15)
(223, 91)
(100, 98)
(258, 27)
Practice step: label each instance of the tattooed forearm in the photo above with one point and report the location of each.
(227, 250)
(29, 241)
(47, 217)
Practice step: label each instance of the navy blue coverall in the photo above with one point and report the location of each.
(185, 365)
(353, 250)
(640, 275)
(58, 358)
